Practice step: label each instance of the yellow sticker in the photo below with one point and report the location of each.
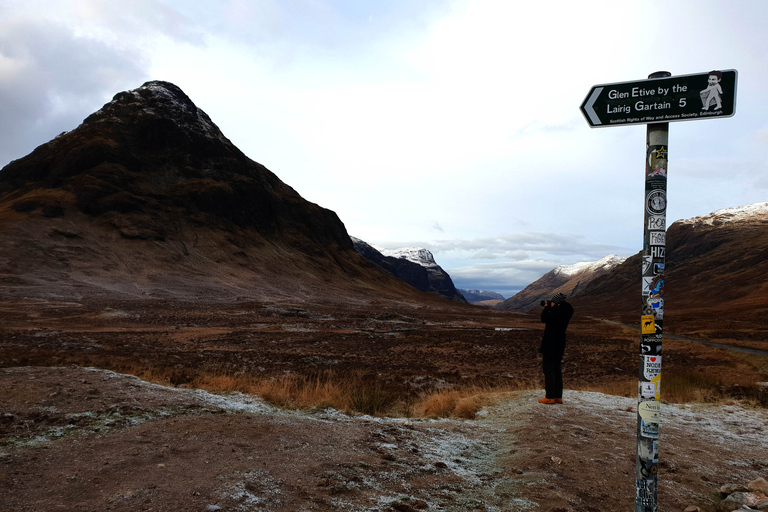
(648, 324)
(656, 381)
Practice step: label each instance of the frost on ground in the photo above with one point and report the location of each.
(85, 439)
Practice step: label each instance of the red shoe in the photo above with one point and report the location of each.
(547, 401)
(558, 400)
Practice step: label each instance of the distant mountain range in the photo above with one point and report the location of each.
(475, 296)
(566, 279)
(716, 278)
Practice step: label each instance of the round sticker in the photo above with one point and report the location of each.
(656, 202)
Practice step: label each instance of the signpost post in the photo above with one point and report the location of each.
(656, 102)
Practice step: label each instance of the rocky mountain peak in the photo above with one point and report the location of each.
(603, 264)
(752, 212)
(149, 181)
(416, 266)
(162, 100)
(567, 279)
(419, 255)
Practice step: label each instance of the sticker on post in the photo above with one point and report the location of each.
(648, 452)
(648, 429)
(654, 286)
(650, 390)
(656, 202)
(654, 306)
(656, 381)
(657, 222)
(651, 345)
(647, 264)
(650, 411)
(645, 494)
(648, 324)
(647, 390)
(656, 166)
(657, 238)
(651, 367)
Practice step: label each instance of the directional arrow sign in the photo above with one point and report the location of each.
(661, 100)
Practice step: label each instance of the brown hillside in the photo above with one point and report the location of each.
(147, 198)
(716, 279)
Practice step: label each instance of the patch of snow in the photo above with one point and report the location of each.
(733, 214)
(417, 255)
(606, 263)
(234, 402)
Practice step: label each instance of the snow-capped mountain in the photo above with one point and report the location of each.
(481, 295)
(756, 211)
(716, 266)
(414, 265)
(567, 279)
(606, 263)
(418, 255)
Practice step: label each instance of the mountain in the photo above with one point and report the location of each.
(567, 279)
(474, 296)
(147, 198)
(716, 270)
(414, 265)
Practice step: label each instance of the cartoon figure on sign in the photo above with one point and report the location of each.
(713, 91)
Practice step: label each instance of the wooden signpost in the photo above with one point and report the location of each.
(656, 102)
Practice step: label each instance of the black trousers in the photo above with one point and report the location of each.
(553, 376)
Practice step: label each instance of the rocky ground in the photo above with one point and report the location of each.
(80, 438)
(88, 439)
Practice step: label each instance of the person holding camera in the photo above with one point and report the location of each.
(555, 315)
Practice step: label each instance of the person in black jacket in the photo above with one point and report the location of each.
(556, 315)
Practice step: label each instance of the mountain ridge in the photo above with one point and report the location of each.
(414, 265)
(716, 269)
(566, 279)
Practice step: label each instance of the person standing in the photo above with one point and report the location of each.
(555, 315)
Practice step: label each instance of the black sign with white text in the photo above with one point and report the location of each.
(662, 100)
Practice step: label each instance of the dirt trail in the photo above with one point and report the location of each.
(85, 439)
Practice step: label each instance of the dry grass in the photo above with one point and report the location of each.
(349, 394)
(357, 394)
(364, 394)
(685, 386)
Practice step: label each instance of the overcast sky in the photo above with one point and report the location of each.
(450, 125)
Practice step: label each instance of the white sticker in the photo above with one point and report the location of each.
(647, 390)
(650, 411)
(656, 202)
(657, 238)
(651, 367)
(657, 222)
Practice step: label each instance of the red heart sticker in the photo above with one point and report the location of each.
(653, 359)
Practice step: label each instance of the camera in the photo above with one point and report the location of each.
(543, 303)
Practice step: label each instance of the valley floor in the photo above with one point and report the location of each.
(86, 439)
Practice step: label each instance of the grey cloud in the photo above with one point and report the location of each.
(508, 263)
(55, 80)
(522, 246)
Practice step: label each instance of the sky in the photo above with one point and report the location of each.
(447, 124)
